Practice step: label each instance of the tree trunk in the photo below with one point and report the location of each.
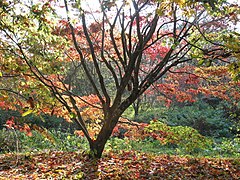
(96, 149)
(136, 106)
(97, 146)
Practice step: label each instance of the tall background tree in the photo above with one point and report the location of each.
(118, 51)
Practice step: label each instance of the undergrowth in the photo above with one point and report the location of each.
(60, 141)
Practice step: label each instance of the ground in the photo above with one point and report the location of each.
(122, 165)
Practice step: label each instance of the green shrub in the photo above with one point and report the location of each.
(53, 122)
(55, 140)
(149, 145)
(146, 114)
(43, 120)
(116, 144)
(209, 121)
(186, 138)
(227, 147)
(66, 141)
(5, 115)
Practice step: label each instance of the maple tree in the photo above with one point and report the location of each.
(233, 43)
(112, 47)
(189, 84)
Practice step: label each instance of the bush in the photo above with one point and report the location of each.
(52, 122)
(116, 144)
(207, 120)
(185, 138)
(5, 115)
(146, 114)
(53, 140)
(149, 145)
(43, 120)
(227, 147)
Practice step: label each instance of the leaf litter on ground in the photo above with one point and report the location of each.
(122, 165)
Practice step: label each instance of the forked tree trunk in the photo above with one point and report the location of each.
(97, 146)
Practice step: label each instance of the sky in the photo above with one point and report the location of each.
(94, 5)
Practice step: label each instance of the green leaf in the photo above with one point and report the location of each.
(43, 120)
(208, 63)
(68, 137)
(27, 112)
(237, 34)
(1, 74)
(201, 62)
(72, 115)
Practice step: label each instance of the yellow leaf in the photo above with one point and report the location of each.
(27, 112)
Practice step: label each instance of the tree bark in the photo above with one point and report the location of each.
(96, 149)
(97, 146)
(136, 106)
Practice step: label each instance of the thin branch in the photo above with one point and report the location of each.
(13, 92)
(104, 59)
(82, 57)
(100, 77)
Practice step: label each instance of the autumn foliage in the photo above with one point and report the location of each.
(10, 124)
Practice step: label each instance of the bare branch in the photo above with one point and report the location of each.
(82, 57)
